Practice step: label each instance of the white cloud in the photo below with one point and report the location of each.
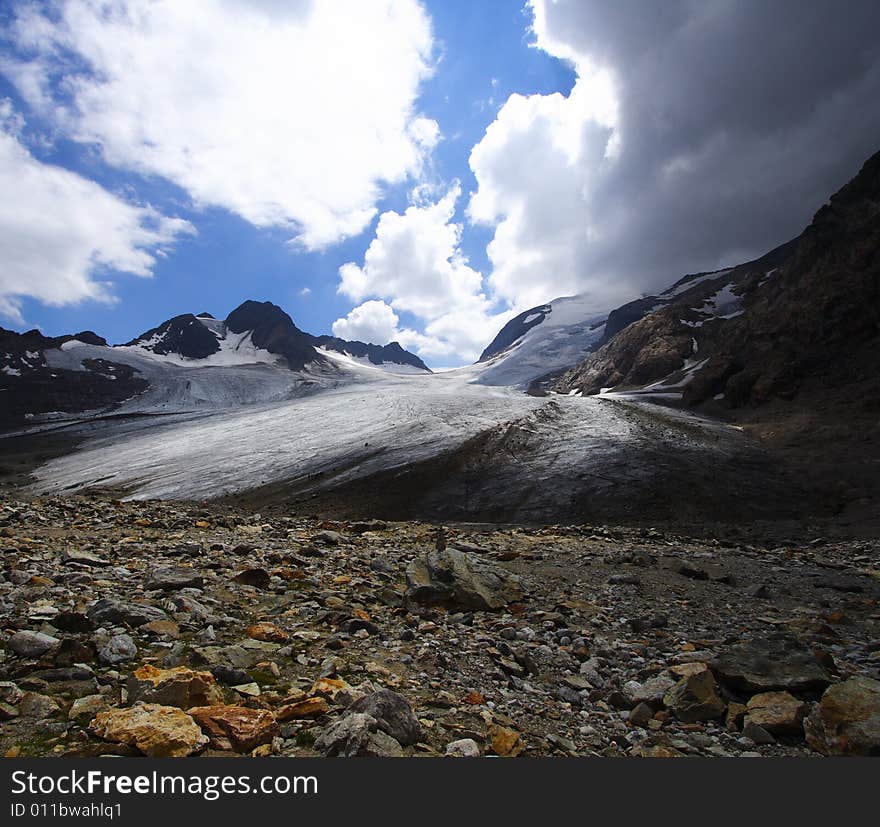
(373, 322)
(415, 264)
(61, 233)
(534, 168)
(288, 114)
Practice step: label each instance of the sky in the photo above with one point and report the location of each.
(411, 171)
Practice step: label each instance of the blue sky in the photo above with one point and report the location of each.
(406, 170)
(482, 55)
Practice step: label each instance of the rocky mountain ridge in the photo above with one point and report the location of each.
(33, 383)
(761, 331)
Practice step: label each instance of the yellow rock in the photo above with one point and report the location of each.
(155, 730)
(267, 632)
(505, 741)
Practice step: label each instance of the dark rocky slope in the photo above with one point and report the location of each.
(797, 364)
(810, 309)
(29, 387)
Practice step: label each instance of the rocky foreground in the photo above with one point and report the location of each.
(171, 630)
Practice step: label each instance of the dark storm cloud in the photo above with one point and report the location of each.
(736, 122)
(738, 119)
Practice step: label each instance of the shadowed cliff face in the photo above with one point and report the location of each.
(810, 309)
(273, 330)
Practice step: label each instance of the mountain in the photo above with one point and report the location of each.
(804, 318)
(541, 343)
(257, 354)
(534, 349)
(390, 354)
(30, 386)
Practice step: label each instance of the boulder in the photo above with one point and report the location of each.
(28, 644)
(846, 721)
(651, 692)
(35, 705)
(180, 687)
(108, 610)
(87, 707)
(118, 649)
(306, 708)
(236, 728)
(357, 734)
(267, 632)
(463, 748)
(83, 558)
(258, 578)
(459, 580)
(174, 579)
(393, 714)
(764, 665)
(695, 698)
(505, 741)
(779, 713)
(155, 730)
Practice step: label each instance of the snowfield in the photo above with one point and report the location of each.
(351, 432)
(570, 328)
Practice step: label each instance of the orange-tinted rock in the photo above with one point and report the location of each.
(236, 727)
(267, 632)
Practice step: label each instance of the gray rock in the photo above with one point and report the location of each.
(328, 538)
(108, 610)
(651, 691)
(757, 733)
(29, 644)
(173, 579)
(118, 649)
(83, 558)
(393, 714)
(778, 662)
(356, 734)
(35, 705)
(463, 748)
(640, 715)
(459, 580)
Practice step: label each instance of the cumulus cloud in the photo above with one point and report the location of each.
(292, 114)
(61, 233)
(373, 322)
(414, 264)
(696, 135)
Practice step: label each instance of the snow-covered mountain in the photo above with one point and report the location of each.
(256, 355)
(541, 342)
(536, 347)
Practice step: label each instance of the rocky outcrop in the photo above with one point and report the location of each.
(775, 663)
(30, 387)
(273, 330)
(391, 353)
(514, 330)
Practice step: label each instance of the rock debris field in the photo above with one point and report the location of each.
(170, 629)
